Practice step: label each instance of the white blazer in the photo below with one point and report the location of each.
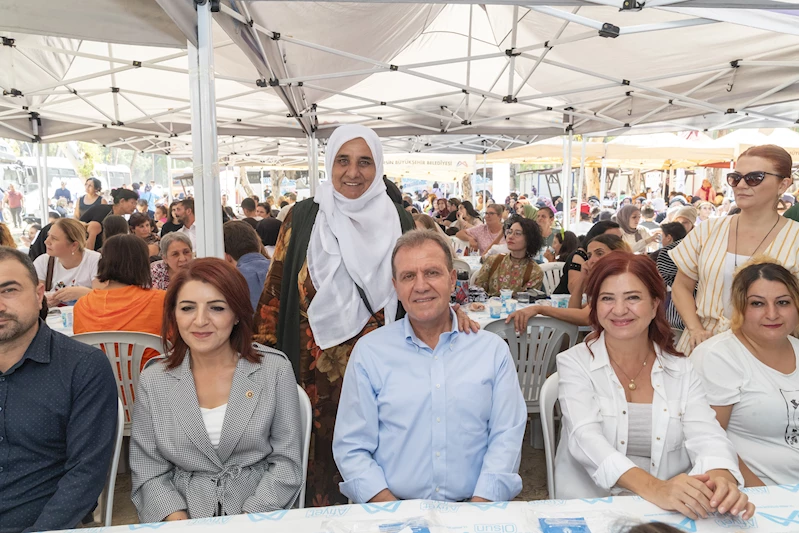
(592, 453)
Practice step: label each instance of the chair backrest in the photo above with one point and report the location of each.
(461, 266)
(306, 419)
(458, 245)
(552, 274)
(549, 395)
(124, 350)
(534, 351)
(106, 503)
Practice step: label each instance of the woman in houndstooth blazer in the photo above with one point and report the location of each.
(216, 424)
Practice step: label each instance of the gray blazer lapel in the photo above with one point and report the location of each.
(244, 396)
(184, 394)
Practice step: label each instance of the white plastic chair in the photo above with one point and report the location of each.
(461, 266)
(124, 350)
(552, 274)
(105, 505)
(534, 353)
(306, 419)
(547, 398)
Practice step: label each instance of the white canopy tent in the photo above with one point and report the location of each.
(428, 77)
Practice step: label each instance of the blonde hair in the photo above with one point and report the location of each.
(74, 230)
(760, 267)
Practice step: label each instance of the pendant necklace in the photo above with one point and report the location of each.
(737, 223)
(631, 385)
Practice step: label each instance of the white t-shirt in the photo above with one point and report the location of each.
(764, 424)
(729, 275)
(284, 211)
(213, 420)
(80, 276)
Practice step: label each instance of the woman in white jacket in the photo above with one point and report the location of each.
(635, 416)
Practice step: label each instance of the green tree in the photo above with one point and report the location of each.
(91, 155)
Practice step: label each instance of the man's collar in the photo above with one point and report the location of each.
(250, 258)
(410, 335)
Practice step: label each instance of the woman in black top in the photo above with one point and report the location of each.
(124, 204)
(172, 224)
(572, 270)
(92, 197)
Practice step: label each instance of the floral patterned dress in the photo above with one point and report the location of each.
(509, 274)
(321, 371)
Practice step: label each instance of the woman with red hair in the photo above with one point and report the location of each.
(635, 416)
(216, 426)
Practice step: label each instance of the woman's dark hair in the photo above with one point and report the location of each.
(642, 267)
(598, 229)
(226, 279)
(98, 185)
(125, 259)
(115, 225)
(614, 242)
(137, 219)
(675, 229)
(532, 234)
(653, 527)
(568, 244)
(171, 207)
(123, 194)
(454, 201)
(470, 210)
(761, 267)
(267, 208)
(163, 210)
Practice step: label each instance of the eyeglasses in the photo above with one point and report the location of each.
(490, 213)
(753, 179)
(517, 233)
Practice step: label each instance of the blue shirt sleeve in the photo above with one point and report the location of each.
(91, 430)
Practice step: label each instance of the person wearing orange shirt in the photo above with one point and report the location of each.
(122, 298)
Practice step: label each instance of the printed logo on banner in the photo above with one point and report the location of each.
(274, 516)
(791, 488)
(212, 520)
(489, 505)
(441, 507)
(592, 501)
(387, 507)
(333, 512)
(730, 522)
(495, 528)
(784, 521)
(546, 502)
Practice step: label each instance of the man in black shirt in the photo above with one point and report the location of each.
(124, 204)
(58, 411)
(248, 206)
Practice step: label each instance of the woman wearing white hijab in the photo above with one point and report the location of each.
(330, 283)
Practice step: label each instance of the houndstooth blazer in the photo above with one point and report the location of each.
(257, 465)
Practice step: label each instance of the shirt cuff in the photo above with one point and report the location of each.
(706, 464)
(162, 506)
(498, 487)
(611, 469)
(363, 488)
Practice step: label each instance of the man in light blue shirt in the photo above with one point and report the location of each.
(427, 412)
(243, 250)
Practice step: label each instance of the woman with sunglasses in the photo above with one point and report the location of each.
(710, 255)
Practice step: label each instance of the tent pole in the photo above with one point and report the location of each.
(313, 163)
(566, 175)
(43, 191)
(603, 175)
(207, 194)
(580, 181)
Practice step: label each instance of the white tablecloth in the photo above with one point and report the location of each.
(777, 511)
(484, 317)
(56, 324)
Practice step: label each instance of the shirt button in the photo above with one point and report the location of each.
(622, 442)
(437, 489)
(624, 412)
(2, 378)
(653, 464)
(435, 357)
(658, 438)
(438, 419)
(438, 454)
(438, 386)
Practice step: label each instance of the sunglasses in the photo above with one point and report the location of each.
(753, 179)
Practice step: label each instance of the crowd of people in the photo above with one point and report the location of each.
(348, 294)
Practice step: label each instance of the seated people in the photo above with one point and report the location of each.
(673, 234)
(115, 225)
(635, 415)
(545, 218)
(564, 244)
(596, 248)
(750, 374)
(572, 279)
(58, 404)
(68, 267)
(483, 236)
(637, 237)
(123, 298)
(141, 226)
(216, 425)
(516, 270)
(269, 228)
(124, 204)
(426, 412)
(176, 252)
(243, 250)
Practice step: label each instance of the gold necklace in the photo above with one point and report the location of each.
(631, 385)
(759, 245)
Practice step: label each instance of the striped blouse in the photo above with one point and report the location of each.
(701, 256)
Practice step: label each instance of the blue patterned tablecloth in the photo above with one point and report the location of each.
(777, 511)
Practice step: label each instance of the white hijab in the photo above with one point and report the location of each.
(351, 242)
